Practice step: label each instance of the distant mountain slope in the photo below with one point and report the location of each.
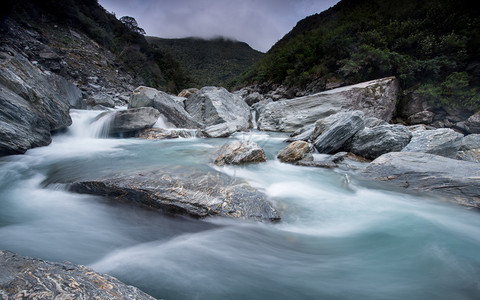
(433, 45)
(209, 62)
(156, 68)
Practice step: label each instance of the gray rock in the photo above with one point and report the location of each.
(411, 103)
(173, 112)
(373, 142)
(187, 92)
(373, 122)
(29, 278)
(253, 98)
(473, 123)
(223, 130)
(304, 133)
(240, 152)
(68, 92)
(470, 148)
(130, 120)
(32, 105)
(102, 100)
(445, 142)
(294, 151)
(457, 181)
(334, 137)
(185, 190)
(213, 105)
(375, 98)
(422, 117)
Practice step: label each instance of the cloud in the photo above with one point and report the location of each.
(260, 23)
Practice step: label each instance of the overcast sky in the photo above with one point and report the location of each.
(260, 23)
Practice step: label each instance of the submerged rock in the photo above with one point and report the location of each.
(185, 190)
(294, 151)
(373, 142)
(29, 278)
(240, 152)
(457, 181)
(444, 142)
(375, 98)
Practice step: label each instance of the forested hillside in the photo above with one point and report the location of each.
(156, 67)
(209, 62)
(433, 46)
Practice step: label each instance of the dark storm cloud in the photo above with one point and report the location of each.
(260, 23)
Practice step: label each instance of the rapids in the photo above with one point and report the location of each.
(339, 238)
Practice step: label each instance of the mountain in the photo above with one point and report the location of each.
(64, 26)
(432, 46)
(209, 62)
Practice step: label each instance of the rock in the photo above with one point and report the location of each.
(373, 142)
(411, 103)
(334, 137)
(102, 100)
(373, 122)
(223, 130)
(240, 152)
(213, 105)
(173, 112)
(294, 151)
(187, 92)
(304, 133)
(130, 120)
(185, 190)
(456, 180)
(68, 92)
(32, 105)
(253, 98)
(156, 134)
(422, 117)
(444, 142)
(29, 278)
(469, 148)
(375, 98)
(473, 123)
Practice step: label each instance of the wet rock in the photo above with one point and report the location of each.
(375, 98)
(223, 130)
(373, 142)
(156, 134)
(29, 278)
(185, 190)
(470, 148)
(445, 142)
(457, 181)
(130, 120)
(334, 137)
(294, 151)
(304, 133)
(240, 152)
(213, 105)
(102, 100)
(173, 112)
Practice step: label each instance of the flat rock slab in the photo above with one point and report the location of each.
(185, 190)
(458, 181)
(28, 278)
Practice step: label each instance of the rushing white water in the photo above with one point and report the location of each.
(338, 239)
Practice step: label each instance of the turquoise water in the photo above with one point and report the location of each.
(339, 238)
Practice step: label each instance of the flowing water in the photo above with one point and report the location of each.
(338, 238)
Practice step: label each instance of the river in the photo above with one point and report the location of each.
(339, 238)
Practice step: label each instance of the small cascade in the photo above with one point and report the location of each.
(89, 124)
(253, 118)
(163, 123)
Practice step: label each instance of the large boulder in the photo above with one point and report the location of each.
(170, 109)
(470, 148)
(373, 142)
(445, 142)
(294, 151)
(101, 99)
(223, 130)
(335, 136)
(130, 120)
(214, 105)
(456, 180)
(29, 278)
(184, 190)
(375, 98)
(240, 152)
(33, 104)
(473, 123)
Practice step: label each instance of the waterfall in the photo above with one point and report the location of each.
(89, 124)
(253, 118)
